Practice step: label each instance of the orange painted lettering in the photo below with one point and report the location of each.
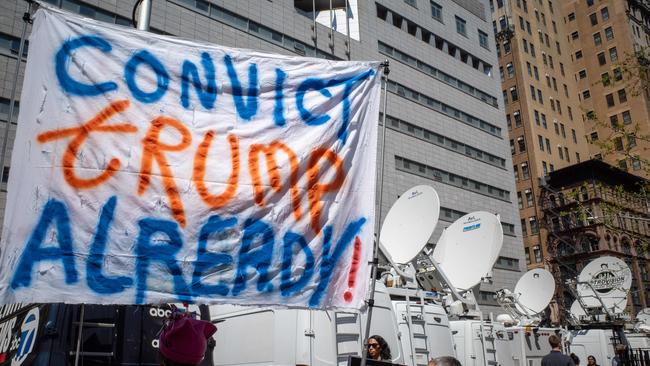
(316, 189)
(198, 175)
(274, 173)
(154, 149)
(79, 136)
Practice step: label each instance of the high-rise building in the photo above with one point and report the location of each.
(543, 114)
(445, 113)
(602, 35)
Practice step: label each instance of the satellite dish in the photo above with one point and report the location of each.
(643, 316)
(409, 224)
(576, 310)
(535, 290)
(506, 319)
(608, 278)
(466, 250)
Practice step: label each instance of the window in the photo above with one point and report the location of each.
(540, 97)
(554, 27)
(517, 116)
(601, 58)
(506, 47)
(557, 128)
(528, 28)
(515, 169)
(604, 13)
(461, 26)
(636, 163)
(540, 140)
(563, 130)
(536, 72)
(631, 140)
(525, 45)
(509, 122)
(622, 164)
(532, 49)
(557, 46)
(521, 143)
(436, 11)
(562, 68)
(524, 171)
(594, 136)
(544, 168)
(610, 100)
(550, 6)
(593, 18)
(613, 121)
(573, 136)
(548, 146)
(513, 94)
(520, 200)
(532, 92)
(618, 144)
(604, 77)
(575, 35)
(578, 157)
(582, 74)
(572, 17)
(537, 118)
(586, 94)
(613, 54)
(529, 198)
(511, 71)
(566, 154)
(559, 151)
(609, 33)
(413, 3)
(618, 74)
(590, 2)
(622, 96)
(527, 256)
(597, 39)
(627, 119)
(534, 228)
(529, 68)
(483, 39)
(522, 25)
(578, 54)
(544, 121)
(524, 228)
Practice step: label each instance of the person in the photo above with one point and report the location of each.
(591, 361)
(555, 357)
(444, 361)
(575, 358)
(184, 340)
(378, 349)
(620, 355)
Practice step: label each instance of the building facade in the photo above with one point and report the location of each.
(542, 112)
(445, 118)
(603, 35)
(593, 209)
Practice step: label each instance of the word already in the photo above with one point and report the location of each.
(255, 254)
(154, 151)
(246, 100)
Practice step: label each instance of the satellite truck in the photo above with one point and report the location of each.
(598, 319)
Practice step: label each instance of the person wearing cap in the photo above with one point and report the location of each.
(184, 340)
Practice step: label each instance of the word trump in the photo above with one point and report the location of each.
(154, 151)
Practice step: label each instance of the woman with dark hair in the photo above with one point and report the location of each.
(591, 361)
(575, 358)
(378, 349)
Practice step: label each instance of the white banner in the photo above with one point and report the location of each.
(151, 169)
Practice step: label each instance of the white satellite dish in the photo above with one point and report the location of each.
(466, 250)
(534, 291)
(576, 310)
(409, 224)
(608, 278)
(643, 316)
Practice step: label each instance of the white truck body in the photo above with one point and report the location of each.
(596, 342)
(279, 337)
(469, 345)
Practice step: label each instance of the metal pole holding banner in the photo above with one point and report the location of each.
(375, 249)
(144, 18)
(81, 328)
(27, 19)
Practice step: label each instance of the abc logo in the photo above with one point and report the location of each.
(159, 313)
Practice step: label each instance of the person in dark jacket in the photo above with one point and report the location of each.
(556, 358)
(575, 358)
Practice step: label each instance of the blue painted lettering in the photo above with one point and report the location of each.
(208, 263)
(190, 76)
(62, 59)
(162, 77)
(287, 287)
(246, 109)
(255, 231)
